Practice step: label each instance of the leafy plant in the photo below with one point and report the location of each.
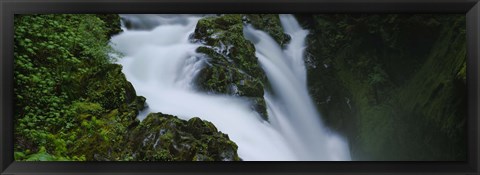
(54, 54)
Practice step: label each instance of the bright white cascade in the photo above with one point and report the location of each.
(291, 109)
(161, 63)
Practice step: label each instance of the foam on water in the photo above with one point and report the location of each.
(161, 63)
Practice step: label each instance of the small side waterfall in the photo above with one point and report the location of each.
(295, 49)
(292, 110)
(161, 63)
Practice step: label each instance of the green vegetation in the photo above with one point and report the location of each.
(73, 104)
(394, 85)
(54, 56)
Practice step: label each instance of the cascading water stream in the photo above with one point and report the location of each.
(296, 46)
(161, 63)
(292, 111)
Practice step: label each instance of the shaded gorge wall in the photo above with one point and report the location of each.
(393, 84)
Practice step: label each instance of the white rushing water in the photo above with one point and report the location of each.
(161, 63)
(291, 109)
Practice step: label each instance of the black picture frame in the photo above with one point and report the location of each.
(471, 8)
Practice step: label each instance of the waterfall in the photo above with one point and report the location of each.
(296, 46)
(161, 63)
(292, 110)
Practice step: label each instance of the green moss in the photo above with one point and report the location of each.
(162, 137)
(86, 107)
(233, 67)
(109, 81)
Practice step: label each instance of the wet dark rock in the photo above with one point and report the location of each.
(232, 66)
(162, 137)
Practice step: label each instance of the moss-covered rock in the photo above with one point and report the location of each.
(233, 67)
(162, 137)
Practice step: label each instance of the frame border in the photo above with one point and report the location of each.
(10, 7)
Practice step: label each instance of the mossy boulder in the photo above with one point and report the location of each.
(162, 137)
(232, 67)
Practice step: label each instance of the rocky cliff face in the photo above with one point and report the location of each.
(393, 84)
